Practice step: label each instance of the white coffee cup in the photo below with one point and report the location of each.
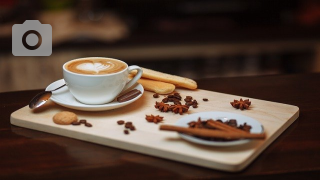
(98, 80)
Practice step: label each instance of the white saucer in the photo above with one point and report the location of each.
(224, 116)
(64, 98)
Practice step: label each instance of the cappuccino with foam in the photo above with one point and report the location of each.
(98, 80)
(95, 66)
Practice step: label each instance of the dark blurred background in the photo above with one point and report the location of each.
(191, 38)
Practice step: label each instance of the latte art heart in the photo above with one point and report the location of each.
(95, 66)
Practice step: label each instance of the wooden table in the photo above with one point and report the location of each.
(29, 154)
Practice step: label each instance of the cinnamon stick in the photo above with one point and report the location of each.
(224, 127)
(213, 133)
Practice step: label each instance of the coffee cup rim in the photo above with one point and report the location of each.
(88, 75)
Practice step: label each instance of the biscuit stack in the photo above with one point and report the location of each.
(163, 83)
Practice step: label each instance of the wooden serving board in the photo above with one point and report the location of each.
(148, 139)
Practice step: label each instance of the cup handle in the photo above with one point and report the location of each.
(136, 77)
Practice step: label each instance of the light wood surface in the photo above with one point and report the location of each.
(148, 139)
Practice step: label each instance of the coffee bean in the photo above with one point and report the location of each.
(156, 95)
(120, 122)
(126, 131)
(128, 125)
(205, 99)
(188, 97)
(88, 124)
(132, 128)
(165, 100)
(76, 123)
(176, 102)
(83, 121)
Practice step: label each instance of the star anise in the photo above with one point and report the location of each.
(155, 119)
(162, 106)
(242, 104)
(178, 108)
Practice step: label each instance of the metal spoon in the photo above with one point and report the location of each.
(41, 98)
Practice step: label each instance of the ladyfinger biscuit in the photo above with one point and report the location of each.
(65, 118)
(156, 86)
(168, 78)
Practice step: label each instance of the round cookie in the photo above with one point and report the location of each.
(65, 118)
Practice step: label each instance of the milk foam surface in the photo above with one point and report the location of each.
(95, 66)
